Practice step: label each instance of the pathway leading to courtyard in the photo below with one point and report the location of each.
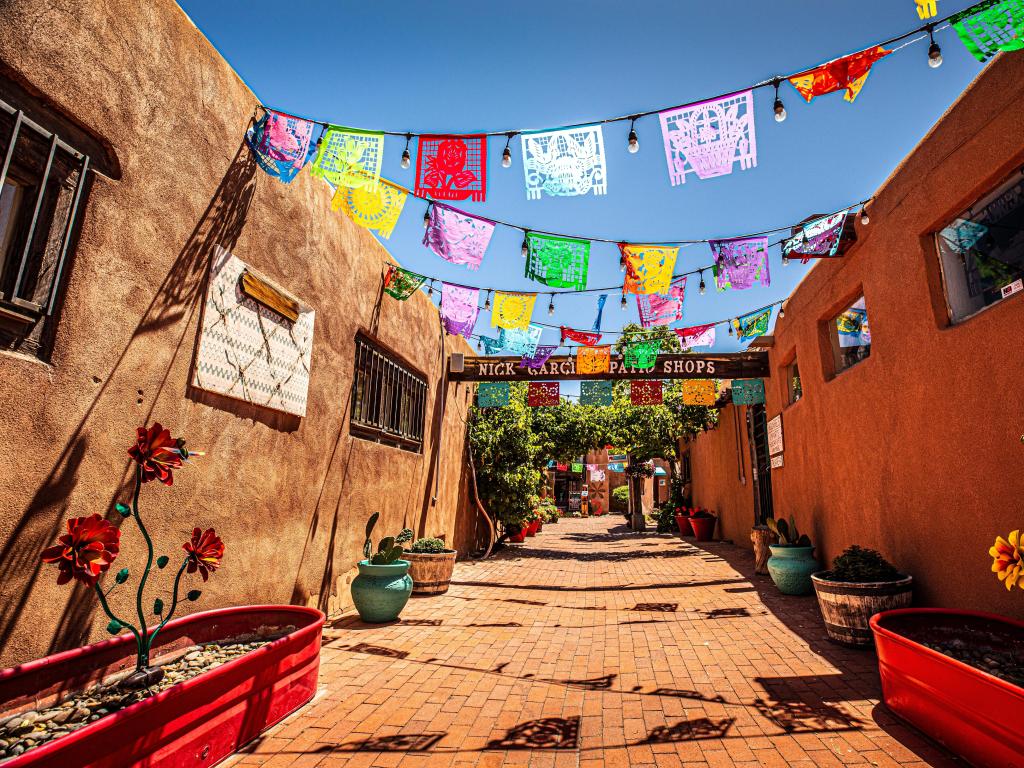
(592, 646)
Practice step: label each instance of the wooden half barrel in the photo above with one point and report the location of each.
(431, 573)
(847, 607)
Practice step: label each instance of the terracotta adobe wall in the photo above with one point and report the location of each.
(916, 450)
(288, 495)
(720, 468)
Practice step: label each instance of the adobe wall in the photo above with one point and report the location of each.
(916, 450)
(289, 495)
(720, 468)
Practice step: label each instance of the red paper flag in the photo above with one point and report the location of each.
(452, 167)
(645, 393)
(542, 394)
(847, 73)
(586, 338)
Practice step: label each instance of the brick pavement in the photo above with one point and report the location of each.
(594, 647)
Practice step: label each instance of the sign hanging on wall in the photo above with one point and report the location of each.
(738, 365)
(775, 436)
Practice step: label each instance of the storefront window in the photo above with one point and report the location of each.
(851, 336)
(982, 250)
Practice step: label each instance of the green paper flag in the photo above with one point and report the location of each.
(996, 26)
(642, 354)
(401, 283)
(596, 392)
(560, 262)
(492, 394)
(576, 467)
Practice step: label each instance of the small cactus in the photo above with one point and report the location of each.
(788, 533)
(389, 550)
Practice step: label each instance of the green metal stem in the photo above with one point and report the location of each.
(143, 646)
(122, 622)
(170, 613)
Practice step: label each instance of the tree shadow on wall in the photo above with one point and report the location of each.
(174, 304)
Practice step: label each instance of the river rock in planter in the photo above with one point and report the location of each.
(847, 607)
(431, 572)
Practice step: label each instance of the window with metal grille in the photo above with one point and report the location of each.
(389, 400)
(42, 179)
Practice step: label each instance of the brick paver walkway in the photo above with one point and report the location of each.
(590, 646)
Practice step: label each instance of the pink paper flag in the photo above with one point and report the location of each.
(456, 236)
(696, 336)
(656, 309)
(459, 308)
(710, 137)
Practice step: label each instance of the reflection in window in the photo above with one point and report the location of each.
(851, 335)
(796, 389)
(982, 250)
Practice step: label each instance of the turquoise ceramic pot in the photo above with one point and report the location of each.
(791, 568)
(380, 592)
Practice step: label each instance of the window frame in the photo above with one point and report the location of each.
(394, 410)
(788, 370)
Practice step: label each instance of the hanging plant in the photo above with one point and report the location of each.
(641, 469)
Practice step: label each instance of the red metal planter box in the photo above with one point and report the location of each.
(974, 714)
(195, 723)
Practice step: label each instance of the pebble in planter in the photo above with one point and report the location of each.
(792, 561)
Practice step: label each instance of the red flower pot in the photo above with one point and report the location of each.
(531, 527)
(198, 722)
(519, 536)
(683, 524)
(540, 526)
(703, 527)
(970, 711)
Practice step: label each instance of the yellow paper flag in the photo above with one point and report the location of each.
(512, 310)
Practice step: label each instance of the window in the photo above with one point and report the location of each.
(42, 178)
(793, 383)
(388, 399)
(982, 251)
(850, 335)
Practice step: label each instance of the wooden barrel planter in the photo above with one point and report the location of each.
(432, 573)
(847, 607)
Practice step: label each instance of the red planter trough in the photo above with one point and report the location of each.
(683, 524)
(195, 723)
(971, 712)
(703, 527)
(519, 536)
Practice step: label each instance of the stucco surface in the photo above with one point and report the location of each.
(915, 451)
(288, 495)
(717, 464)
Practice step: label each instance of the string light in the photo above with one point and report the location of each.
(506, 156)
(730, 326)
(780, 108)
(634, 140)
(864, 218)
(782, 311)
(426, 216)
(487, 301)
(430, 288)
(479, 345)
(406, 157)
(703, 287)
(785, 260)
(934, 52)
(526, 245)
(623, 303)
(551, 306)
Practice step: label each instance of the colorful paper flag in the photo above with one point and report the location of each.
(562, 467)
(371, 208)
(597, 476)
(520, 341)
(741, 262)
(752, 325)
(747, 391)
(696, 336)
(492, 394)
(565, 162)
(593, 359)
(699, 392)
(819, 238)
(543, 394)
(641, 355)
(491, 346)
(456, 236)
(645, 393)
(560, 262)
(587, 338)
(452, 167)
(577, 467)
(349, 157)
(401, 283)
(662, 310)
(999, 26)
(648, 267)
(617, 467)
(459, 307)
(844, 74)
(591, 467)
(926, 9)
(512, 310)
(280, 144)
(600, 310)
(539, 357)
(710, 137)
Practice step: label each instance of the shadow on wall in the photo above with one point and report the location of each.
(174, 304)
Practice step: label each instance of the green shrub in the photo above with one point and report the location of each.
(861, 565)
(666, 519)
(620, 498)
(428, 546)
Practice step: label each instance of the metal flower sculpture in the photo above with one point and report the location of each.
(1008, 560)
(92, 544)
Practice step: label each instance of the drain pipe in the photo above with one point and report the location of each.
(740, 473)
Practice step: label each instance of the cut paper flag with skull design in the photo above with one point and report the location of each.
(401, 283)
(999, 26)
(492, 394)
(539, 357)
(645, 393)
(586, 338)
(564, 162)
(747, 391)
(459, 307)
(457, 237)
(543, 394)
(699, 392)
(593, 359)
(844, 74)
(452, 167)
(596, 392)
(752, 325)
(662, 310)
(710, 137)
(512, 310)
(371, 208)
(648, 267)
(349, 157)
(520, 341)
(741, 263)
(818, 238)
(280, 144)
(696, 336)
(641, 355)
(560, 262)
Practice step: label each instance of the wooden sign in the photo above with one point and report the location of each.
(775, 436)
(738, 365)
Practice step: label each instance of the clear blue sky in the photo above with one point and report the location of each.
(461, 66)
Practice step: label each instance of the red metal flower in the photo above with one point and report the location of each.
(204, 552)
(157, 453)
(85, 551)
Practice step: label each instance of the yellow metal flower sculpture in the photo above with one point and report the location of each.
(1007, 561)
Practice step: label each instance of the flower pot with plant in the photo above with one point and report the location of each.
(383, 585)
(431, 564)
(703, 523)
(860, 584)
(792, 561)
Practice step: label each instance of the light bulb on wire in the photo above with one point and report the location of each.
(782, 311)
(785, 260)
(426, 217)
(526, 246)
(730, 326)
(864, 218)
(406, 157)
(634, 140)
(506, 155)
(551, 306)
(934, 51)
(780, 108)
(702, 286)
(487, 301)
(623, 303)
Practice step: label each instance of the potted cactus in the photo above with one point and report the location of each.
(383, 585)
(431, 564)
(792, 561)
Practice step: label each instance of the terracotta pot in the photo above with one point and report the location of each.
(762, 537)
(969, 711)
(198, 722)
(683, 524)
(847, 607)
(431, 572)
(703, 527)
(517, 536)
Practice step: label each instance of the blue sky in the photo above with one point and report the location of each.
(464, 66)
